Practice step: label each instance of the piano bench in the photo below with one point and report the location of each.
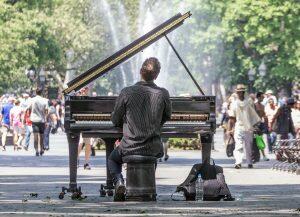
(140, 178)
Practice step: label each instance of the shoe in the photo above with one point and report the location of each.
(3, 148)
(166, 157)
(238, 166)
(159, 160)
(266, 159)
(120, 190)
(46, 149)
(86, 167)
(250, 166)
(25, 148)
(228, 198)
(37, 154)
(41, 153)
(16, 147)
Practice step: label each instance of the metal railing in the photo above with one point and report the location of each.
(287, 152)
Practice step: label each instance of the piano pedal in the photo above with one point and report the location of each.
(76, 194)
(106, 190)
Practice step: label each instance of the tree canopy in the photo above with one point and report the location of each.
(221, 42)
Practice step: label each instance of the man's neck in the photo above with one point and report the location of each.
(143, 80)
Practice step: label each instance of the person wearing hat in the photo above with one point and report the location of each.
(242, 118)
(269, 95)
(282, 122)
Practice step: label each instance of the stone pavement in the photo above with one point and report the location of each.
(259, 191)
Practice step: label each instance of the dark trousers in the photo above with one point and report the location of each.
(115, 163)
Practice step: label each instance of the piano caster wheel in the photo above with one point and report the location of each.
(102, 191)
(119, 197)
(61, 195)
(110, 192)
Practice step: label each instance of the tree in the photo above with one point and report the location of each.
(266, 31)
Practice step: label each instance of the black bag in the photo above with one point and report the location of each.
(214, 185)
(255, 155)
(230, 146)
(216, 189)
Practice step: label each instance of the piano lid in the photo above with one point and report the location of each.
(125, 53)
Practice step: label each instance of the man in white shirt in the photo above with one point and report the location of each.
(242, 116)
(39, 109)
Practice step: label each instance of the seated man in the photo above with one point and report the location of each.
(141, 110)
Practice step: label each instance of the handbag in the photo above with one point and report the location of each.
(260, 142)
(214, 186)
(230, 146)
(216, 189)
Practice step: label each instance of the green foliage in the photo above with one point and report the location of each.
(264, 30)
(221, 41)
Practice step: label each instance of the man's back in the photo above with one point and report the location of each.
(141, 110)
(38, 106)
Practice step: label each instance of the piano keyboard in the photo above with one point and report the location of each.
(108, 124)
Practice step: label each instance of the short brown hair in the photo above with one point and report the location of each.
(150, 69)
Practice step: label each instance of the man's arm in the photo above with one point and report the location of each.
(167, 110)
(118, 114)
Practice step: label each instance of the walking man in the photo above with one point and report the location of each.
(242, 117)
(39, 109)
(141, 110)
(5, 120)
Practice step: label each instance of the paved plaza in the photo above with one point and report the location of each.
(259, 191)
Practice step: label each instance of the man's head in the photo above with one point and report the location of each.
(17, 102)
(240, 91)
(269, 93)
(39, 91)
(290, 102)
(84, 91)
(271, 102)
(150, 69)
(260, 96)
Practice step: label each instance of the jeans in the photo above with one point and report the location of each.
(271, 137)
(115, 164)
(46, 136)
(27, 136)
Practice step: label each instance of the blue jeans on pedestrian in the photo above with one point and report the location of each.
(27, 136)
(271, 137)
(46, 136)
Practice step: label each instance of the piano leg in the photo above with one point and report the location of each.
(109, 147)
(73, 140)
(206, 141)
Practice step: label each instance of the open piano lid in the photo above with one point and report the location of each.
(125, 53)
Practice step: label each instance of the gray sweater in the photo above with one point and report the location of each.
(141, 110)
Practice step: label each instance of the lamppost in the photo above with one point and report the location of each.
(262, 69)
(31, 74)
(251, 74)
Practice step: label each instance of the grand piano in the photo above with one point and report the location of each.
(192, 117)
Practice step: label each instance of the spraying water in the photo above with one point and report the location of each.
(112, 25)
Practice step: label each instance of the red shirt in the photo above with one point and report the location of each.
(27, 118)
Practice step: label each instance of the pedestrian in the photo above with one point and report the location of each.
(85, 142)
(28, 128)
(283, 123)
(50, 123)
(38, 116)
(16, 116)
(5, 120)
(270, 110)
(269, 95)
(296, 118)
(260, 109)
(242, 118)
